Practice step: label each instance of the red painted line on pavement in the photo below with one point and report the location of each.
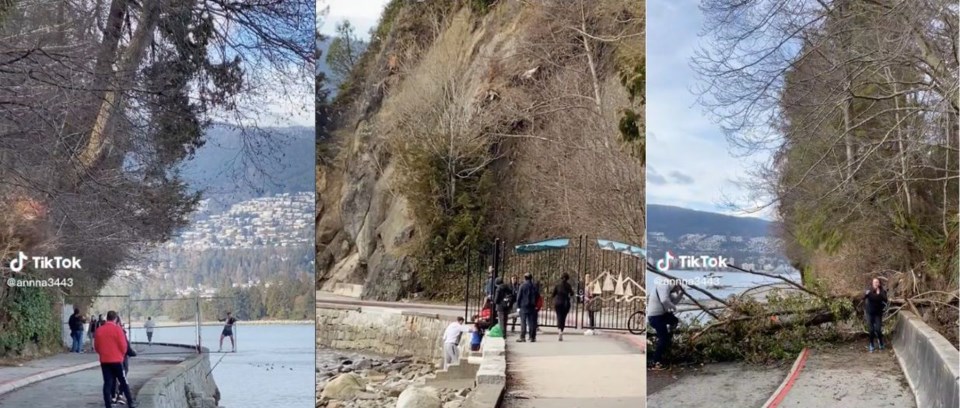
(782, 393)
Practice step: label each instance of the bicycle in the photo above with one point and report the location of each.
(637, 323)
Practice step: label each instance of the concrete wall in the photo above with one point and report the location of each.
(381, 330)
(186, 385)
(929, 361)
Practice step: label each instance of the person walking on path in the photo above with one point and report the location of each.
(451, 342)
(562, 295)
(527, 304)
(111, 345)
(660, 309)
(876, 302)
(150, 325)
(228, 331)
(504, 299)
(76, 323)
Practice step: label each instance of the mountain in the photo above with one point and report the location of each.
(233, 166)
(676, 221)
(747, 242)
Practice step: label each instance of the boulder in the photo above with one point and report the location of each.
(343, 387)
(419, 397)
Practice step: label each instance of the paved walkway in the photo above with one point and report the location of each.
(849, 376)
(714, 385)
(83, 388)
(582, 371)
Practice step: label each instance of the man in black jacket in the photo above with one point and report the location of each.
(503, 301)
(527, 303)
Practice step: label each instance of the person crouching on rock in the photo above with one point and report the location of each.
(451, 342)
(876, 301)
(660, 311)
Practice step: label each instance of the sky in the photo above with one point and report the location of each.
(363, 14)
(690, 163)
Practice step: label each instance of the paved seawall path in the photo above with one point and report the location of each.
(605, 371)
(81, 388)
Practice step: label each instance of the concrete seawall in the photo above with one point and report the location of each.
(186, 385)
(381, 330)
(929, 362)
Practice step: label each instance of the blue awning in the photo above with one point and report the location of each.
(622, 248)
(557, 243)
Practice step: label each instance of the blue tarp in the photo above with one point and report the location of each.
(560, 243)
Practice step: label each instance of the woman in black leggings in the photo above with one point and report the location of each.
(562, 293)
(876, 301)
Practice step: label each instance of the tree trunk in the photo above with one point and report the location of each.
(113, 99)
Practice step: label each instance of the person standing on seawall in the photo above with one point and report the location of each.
(527, 303)
(876, 301)
(562, 293)
(150, 325)
(228, 331)
(111, 345)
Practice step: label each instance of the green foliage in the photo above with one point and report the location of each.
(633, 76)
(345, 50)
(769, 337)
(816, 231)
(452, 214)
(481, 7)
(27, 317)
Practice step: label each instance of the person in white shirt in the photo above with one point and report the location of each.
(451, 342)
(149, 325)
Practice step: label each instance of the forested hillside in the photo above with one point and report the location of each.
(857, 101)
(100, 103)
(466, 121)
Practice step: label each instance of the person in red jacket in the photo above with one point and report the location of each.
(111, 345)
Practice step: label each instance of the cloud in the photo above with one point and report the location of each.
(680, 178)
(363, 14)
(695, 167)
(655, 178)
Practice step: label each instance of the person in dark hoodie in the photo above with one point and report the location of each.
(527, 303)
(876, 302)
(76, 323)
(503, 300)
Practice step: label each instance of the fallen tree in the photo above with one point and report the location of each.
(772, 322)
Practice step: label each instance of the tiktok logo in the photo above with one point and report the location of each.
(16, 265)
(664, 263)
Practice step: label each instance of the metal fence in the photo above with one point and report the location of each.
(612, 271)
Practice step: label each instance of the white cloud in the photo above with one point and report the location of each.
(363, 14)
(682, 138)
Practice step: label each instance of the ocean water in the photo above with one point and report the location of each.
(731, 283)
(273, 365)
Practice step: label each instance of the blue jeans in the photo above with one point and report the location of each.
(875, 328)
(77, 337)
(528, 320)
(664, 337)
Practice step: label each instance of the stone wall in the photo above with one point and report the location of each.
(929, 362)
(381, 330)
(186, 385)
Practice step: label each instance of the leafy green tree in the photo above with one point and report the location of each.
(344, 51)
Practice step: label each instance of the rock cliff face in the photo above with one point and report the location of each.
(532, 95)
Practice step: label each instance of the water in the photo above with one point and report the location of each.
(243, 377)
(730, 283)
